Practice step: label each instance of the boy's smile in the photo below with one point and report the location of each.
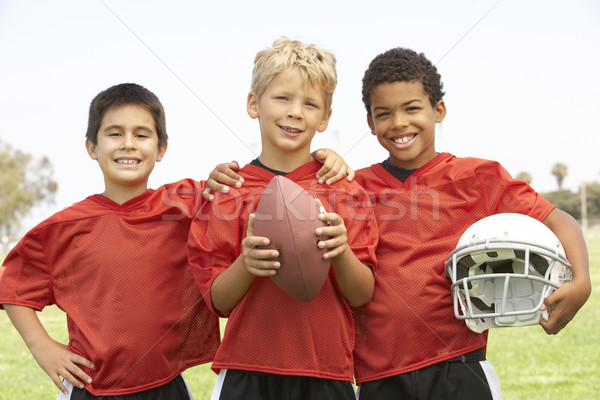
(127, 161)
(127, 151)
(290, 131)
(404, 121)
(290, 112)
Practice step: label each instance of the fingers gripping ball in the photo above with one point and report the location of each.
(288, 215)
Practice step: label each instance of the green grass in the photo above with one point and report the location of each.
(530, 364)
(21, 378)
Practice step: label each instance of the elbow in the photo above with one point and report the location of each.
(221, 310)
(222, 306)
(358, 303)
(361, 297)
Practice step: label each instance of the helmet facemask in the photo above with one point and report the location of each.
(499, 280)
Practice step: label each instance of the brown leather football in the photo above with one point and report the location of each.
(288, 215)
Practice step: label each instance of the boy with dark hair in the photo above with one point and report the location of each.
(275, 346)
(408, 342)
(116, 263)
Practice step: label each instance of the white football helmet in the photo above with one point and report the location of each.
(502, 269)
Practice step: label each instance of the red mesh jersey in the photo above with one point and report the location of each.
(120, 273)
(270, 331)
(409, 323)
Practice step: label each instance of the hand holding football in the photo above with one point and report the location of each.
(288, 215)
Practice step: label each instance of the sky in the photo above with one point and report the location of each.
(521, 78)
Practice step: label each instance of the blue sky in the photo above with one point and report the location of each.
(521, 78)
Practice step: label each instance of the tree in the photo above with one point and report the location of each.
(524, 176)
(566, 200)
(593, 199)
(24, 183)
(559, 170)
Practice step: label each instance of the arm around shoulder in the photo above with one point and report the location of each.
(569, 298)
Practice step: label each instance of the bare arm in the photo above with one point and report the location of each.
(334, 167)
(53, 357)
(570, 297)
(224, 175)
(221, 179)
(231, 285)
(354, 279)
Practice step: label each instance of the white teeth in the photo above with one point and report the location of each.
(292, 130)
(127, 161)
(403, 140)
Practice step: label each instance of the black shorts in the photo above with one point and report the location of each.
(468, 377)
(177, 389)
(249, 385)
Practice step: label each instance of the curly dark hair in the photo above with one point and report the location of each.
(402, 65)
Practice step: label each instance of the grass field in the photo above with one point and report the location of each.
(530, 364)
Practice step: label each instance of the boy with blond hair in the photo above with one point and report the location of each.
(275, 346)
(116, 263)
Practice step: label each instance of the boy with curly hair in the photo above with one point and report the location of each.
(409, 343)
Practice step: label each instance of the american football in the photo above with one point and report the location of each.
(288, 215)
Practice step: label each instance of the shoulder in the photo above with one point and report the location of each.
(234, 204)
(464, 167)
(342, 186)
(185, 189)
(339, 188)
(253, 186)
(374, 178)
(365, 172)
(348, 199)
(470, 163)
(86, 208)
(183, 184)
(46, 229)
